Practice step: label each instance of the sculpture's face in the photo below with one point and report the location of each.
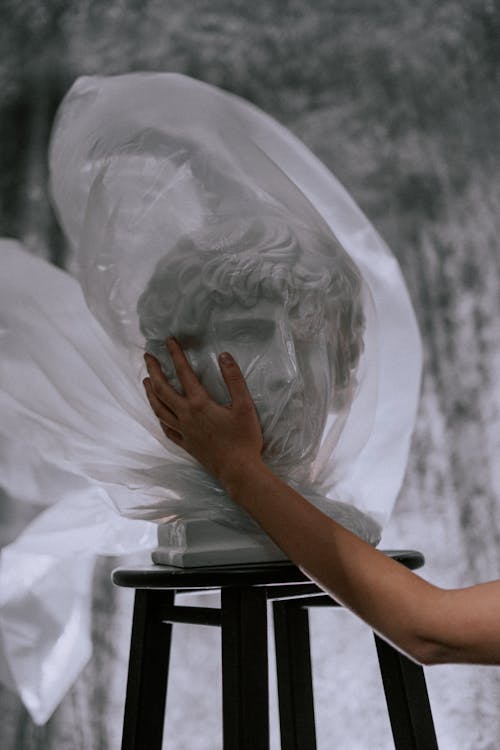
(289, 377)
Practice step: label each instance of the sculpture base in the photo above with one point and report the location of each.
(200, 542)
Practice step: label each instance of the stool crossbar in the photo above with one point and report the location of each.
(243, 618)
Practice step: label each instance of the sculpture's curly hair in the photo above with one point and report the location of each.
(242, 261)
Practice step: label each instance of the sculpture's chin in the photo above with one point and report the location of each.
(292, 441)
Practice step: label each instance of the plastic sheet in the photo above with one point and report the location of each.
(166, 183)
(190, 212)
(46, 575)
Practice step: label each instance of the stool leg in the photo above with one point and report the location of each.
(245, 690)
(293, 665)
(407, 700)
(147, 672)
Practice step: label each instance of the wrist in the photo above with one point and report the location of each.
(239, 471)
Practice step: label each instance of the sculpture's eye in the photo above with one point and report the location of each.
(246, 333)
(243, 337)
(253, 331)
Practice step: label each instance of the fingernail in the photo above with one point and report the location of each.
(225, 358)
(171, 340)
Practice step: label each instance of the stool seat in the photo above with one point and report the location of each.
(245, 592)
(251, 574)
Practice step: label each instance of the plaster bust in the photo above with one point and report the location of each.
(294, 322)
(191, 166)
(135, 194)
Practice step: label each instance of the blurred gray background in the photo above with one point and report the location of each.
(400, 100)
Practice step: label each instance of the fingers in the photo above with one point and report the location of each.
(166, 395)
(234, 380)
(172, 435)
(168, 420)
(165, 415)
(184, 371)
(163, 390)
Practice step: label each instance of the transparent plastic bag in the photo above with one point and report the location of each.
(193, 213)
(190, 212)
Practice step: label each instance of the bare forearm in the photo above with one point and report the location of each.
(391, 599)
(428, 623)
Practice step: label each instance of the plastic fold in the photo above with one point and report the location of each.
(190, 212)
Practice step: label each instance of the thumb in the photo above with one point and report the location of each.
(233, 378)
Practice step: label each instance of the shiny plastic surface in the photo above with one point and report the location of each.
(189, 212)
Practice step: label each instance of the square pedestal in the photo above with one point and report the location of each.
(198, 542)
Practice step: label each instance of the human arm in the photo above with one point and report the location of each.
(428, 623)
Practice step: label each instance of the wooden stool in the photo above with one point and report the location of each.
(242, 617)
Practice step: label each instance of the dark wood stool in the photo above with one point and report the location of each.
(242, 617)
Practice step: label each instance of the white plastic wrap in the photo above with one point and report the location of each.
(190, 212)
(162, 181)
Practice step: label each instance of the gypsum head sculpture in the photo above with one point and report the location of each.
(121, 220)
(293, 320)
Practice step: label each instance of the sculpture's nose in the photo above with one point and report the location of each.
(283, 375)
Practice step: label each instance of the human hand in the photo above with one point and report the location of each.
(221, 438)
